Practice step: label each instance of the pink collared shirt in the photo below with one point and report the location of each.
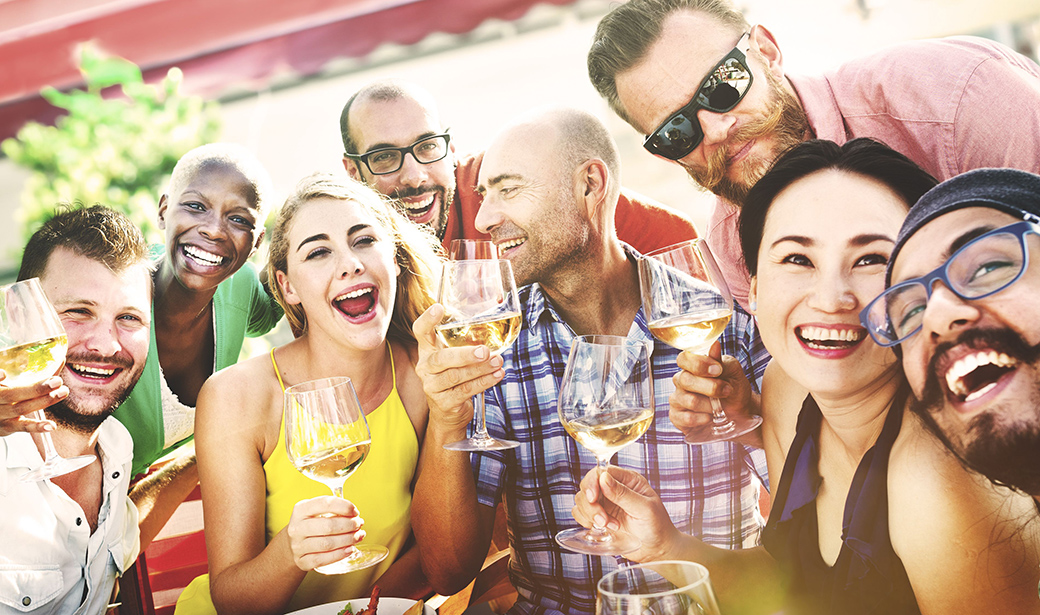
(950, 105)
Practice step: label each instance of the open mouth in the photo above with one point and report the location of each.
(509, 244)
(90, 372)
(418, 207)
(974, 375)
(202, 257)
(356, 303)
(826, 338)
(740, 153)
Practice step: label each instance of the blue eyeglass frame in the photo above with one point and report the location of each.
(688, 112)
(1018, 229)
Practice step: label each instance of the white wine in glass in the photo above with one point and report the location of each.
(672, 587)
(688, 305)
(606, 402)
(472, 249)
(32, 349)
(481, 307)
(327, 439)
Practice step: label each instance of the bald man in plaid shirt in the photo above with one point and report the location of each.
(550, 184)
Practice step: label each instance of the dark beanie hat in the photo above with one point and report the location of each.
(1009, 190)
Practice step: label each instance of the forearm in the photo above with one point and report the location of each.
(158, 496)
(405, 578)
(746, 581)
(263, 584)
(450, 525)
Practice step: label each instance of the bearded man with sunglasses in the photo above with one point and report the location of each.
(963, 307)
(711, 93)
(395, 142)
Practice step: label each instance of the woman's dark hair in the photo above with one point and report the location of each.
(863, 156)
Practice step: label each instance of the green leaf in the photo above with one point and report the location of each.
(101, 72)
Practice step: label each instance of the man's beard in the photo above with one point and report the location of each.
(70, 414)
(439, 226)
(1004, 449)
(786, 122)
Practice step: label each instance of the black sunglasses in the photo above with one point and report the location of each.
(720, 91)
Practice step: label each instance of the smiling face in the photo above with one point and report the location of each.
(341, 270)
(739, 145)
(529, 207)
(824, 247)
(106, 316)
(423, 192)
(975, 365)
(211, 224)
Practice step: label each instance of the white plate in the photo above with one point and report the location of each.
(387, 606)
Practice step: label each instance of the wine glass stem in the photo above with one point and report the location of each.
(598, 534)
(481, 424)
(720, 423)
(49, 452)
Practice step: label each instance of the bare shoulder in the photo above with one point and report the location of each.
(948, 524)
(409, 386)
(237, 400)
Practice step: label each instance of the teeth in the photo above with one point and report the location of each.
(512, 243)
(354, 294)
(969, 363)
(95, 371)
(820, 334)
(980, 392)
(201, 255)
(419, 204)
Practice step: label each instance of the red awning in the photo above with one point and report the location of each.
(217, 44)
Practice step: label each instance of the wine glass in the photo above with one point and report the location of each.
(327, 439)
(472, 249)
(33, 346)
(666, 587)
(688, 305)
(481, 307)
(606, 402)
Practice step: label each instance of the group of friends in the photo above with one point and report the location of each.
(876, 224)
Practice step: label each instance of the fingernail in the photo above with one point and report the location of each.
(360, 521)
(715, 370)
(590, 495)
(499, 373)
(53, 382)
(480, 352)
(600, 520)
(614, 525)
(496, 361)
(48, 426)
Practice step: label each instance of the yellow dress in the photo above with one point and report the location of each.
(380, 488)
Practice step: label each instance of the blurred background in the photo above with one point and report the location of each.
(273, 75)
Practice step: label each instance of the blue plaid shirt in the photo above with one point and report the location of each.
(710, 491)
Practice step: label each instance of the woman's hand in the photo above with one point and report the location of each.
(703, 377)
(622, 499)
(16, 402)
(323, 530)
(452, 376)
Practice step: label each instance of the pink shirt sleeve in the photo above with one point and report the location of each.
(723, 238)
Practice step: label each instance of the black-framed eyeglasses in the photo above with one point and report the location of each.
(720, 91)
(387, 160)
(984, 266)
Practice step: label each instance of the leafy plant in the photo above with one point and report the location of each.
(117, 151)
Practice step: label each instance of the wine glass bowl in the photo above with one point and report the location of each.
(666, 587)
(33, 344)
(688, 304)
(481, 307)
(472, 249)
(606, 402)
(327, 439)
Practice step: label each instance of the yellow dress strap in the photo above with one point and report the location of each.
(278, 374)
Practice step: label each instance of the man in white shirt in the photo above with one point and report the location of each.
(65, 540)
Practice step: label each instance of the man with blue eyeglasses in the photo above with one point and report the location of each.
(713, 95)
(963, 308)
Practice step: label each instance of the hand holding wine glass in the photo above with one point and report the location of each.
(327, 439)
(672, 587)
(606, 402)
(481, 308)
(688, 305)
(32, 350)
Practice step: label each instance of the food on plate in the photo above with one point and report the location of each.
(373, 602)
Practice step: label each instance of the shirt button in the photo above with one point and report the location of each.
(79, 520)
(115, 475)
(26, 601)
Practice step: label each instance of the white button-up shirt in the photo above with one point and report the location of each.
(49, 560)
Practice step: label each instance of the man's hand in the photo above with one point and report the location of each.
(452, 376)
(16, 402)
(622, 499)
(702, 377)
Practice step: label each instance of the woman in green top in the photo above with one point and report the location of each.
(206, 297)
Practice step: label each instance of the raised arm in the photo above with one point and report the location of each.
(17, 402)
(452, 528)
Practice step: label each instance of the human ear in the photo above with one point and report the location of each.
(762, 40)
(753, 296)
(164, 202)
(287, 291)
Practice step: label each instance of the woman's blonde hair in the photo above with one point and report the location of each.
(416, 250)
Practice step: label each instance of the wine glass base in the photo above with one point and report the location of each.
(363, 557)
(481, 444)
(734, 427)
(605, 542)
(57, 466)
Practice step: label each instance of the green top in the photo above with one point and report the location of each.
(241, 307)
